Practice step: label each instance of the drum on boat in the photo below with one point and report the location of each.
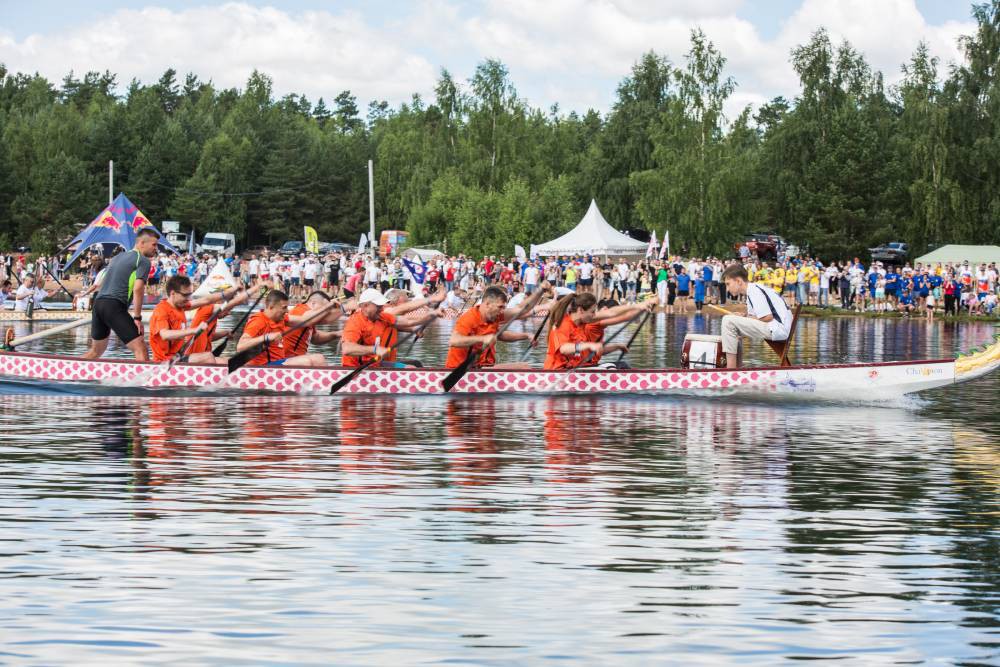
(704, 351)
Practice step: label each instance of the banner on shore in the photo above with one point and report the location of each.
(311, 240)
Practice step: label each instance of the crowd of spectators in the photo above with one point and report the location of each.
(679, 284)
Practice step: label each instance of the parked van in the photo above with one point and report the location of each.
(219, 243)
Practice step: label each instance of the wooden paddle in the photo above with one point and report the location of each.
(14, 342)
(221, 347)
(472, 357)
(720, 309)
(240, 359)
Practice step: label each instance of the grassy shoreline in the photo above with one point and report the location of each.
(817, 311)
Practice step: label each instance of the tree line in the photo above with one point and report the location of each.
(849, 162)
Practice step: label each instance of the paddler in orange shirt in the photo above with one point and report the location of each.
(168, 327)
(576, 330)
(298, 342)
(610, 313)
(476, 330)
(568, 343)
(215, 312)
(268, 327)
(371, 332)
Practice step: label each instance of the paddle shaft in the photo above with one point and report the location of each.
(221, 347)
(49, 332)
(61, 286)
(472, 357)
(534, 339)
(346, 380)
(240, 359)
(420, 332)
(190, 341)
(634, 334)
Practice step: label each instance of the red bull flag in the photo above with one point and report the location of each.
(117, 224)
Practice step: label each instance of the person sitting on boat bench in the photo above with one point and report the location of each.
(372, 332)
(767, 317)
(28, 291)
(168, 326)
(268, 327)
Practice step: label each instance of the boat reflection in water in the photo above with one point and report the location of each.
(819, 524)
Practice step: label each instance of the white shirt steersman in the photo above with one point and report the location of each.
(757, 306)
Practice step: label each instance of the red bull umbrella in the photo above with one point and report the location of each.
(117, 224)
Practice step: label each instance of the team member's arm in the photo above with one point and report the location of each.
(175, 334)
(249, 340)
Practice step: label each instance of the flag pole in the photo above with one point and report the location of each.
(111, 181)
(371, 206)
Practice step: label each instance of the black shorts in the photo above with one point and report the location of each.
(586, 282)
(308, 282)
(112, 315)
(682, 292)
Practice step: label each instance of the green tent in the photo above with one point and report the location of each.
(956, 254)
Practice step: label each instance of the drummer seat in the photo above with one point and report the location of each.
(781, 347)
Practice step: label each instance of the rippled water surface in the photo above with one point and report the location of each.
(499, 530)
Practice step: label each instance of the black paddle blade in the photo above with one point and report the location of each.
(240, 359)
(346, 380)
(453, 377)
(221, 347)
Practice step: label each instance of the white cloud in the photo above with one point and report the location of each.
(572, 52)
(316, 53)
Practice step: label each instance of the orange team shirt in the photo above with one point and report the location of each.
(166, 316)
(472, 324)
(203, 343)
(260, 324)
(566, 332)
(361, 330)
(298, 341)
(595, 334)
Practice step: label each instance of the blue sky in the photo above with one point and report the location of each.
(569, 51)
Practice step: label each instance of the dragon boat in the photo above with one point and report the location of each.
(825, 381)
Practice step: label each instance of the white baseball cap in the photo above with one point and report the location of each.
(372, 295)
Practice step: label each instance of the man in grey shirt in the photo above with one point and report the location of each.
(123, 283)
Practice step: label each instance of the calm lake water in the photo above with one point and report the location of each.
(500, 530)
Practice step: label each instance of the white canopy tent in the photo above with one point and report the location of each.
(594, 236)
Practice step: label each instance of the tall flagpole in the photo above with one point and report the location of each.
(371, 208)
(111, 181)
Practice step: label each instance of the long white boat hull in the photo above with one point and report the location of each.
(835, 382)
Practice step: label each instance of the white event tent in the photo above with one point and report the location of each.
(594, 236)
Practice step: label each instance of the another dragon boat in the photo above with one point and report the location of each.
(825, 381)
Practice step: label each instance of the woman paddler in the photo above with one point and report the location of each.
(569, 346)
(577, 339)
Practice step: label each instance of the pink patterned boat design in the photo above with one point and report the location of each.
(837, 381)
